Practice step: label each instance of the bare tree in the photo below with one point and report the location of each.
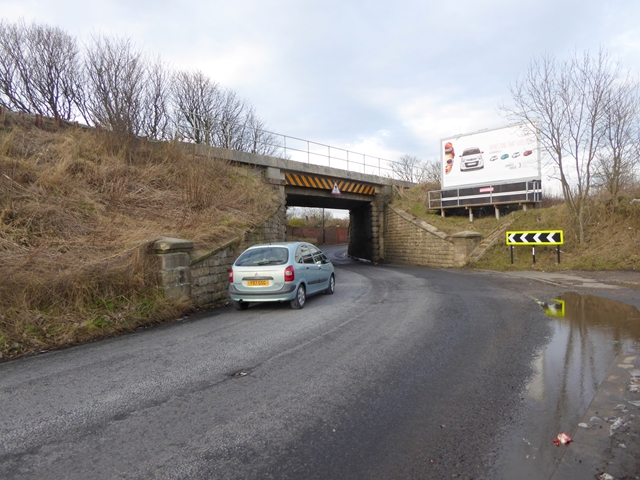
(230, 121)
(195, 99)
(309, 217)
(256, 139)
(432, 172)
(617, 159)
(11, 95)
(566, 101)
(116, 81)
(119, 89)
(408, 168)
(205, 113)
(155, 109)
(39, 70)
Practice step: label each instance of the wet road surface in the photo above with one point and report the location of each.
(403, 373)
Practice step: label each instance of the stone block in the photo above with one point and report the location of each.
(173, 277)
(170, 261)
(175, 293)
(168, 244)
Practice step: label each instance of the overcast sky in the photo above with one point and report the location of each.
(381, 78)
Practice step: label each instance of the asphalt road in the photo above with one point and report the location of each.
(403, 373)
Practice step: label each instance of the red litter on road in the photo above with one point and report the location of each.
(562, 438)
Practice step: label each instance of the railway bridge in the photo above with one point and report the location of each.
(310, 185)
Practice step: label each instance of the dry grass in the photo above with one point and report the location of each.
(612, 241)
(73, 203)
(415, 202)
(613, 234)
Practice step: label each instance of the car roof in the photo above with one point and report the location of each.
(278, 244)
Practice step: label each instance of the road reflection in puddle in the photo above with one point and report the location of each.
(588, 332)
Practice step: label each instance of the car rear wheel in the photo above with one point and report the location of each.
(301, 297)
(240, 305)
(332, 285)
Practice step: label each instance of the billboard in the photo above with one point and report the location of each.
(491, 157)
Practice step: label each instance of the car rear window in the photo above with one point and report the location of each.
(263, 256)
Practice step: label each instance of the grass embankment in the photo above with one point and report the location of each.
(78, 210)
(612, 243)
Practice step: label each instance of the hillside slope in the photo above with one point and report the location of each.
(613, 234)
(78, 206)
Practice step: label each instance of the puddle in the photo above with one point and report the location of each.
(588, 333)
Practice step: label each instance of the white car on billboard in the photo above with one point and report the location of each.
(471, 159)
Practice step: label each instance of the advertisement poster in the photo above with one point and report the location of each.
(502, 155)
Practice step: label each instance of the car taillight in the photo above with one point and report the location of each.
(231, 275)
(289, 275)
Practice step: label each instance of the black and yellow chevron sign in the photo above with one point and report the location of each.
(536, 237)
(324, 183)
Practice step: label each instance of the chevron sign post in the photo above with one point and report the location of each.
(535, 238)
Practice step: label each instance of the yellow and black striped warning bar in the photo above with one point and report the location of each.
(324, 183)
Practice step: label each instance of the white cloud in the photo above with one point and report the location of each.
(235, 65)
(431, 119)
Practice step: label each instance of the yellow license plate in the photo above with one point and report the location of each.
(258, 283)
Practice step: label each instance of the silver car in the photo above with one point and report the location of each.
(280, 272)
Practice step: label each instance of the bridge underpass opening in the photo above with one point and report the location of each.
(360, 231)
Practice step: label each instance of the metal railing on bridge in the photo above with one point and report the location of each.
(244, 137)
(307, 151)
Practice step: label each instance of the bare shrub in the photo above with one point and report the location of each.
(155, 109)
(39, 70)
(410, 168)
(204, 112)
(115, 80)
(572, 106)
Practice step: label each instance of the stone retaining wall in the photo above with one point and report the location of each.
(203, 276)
(411, 241)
